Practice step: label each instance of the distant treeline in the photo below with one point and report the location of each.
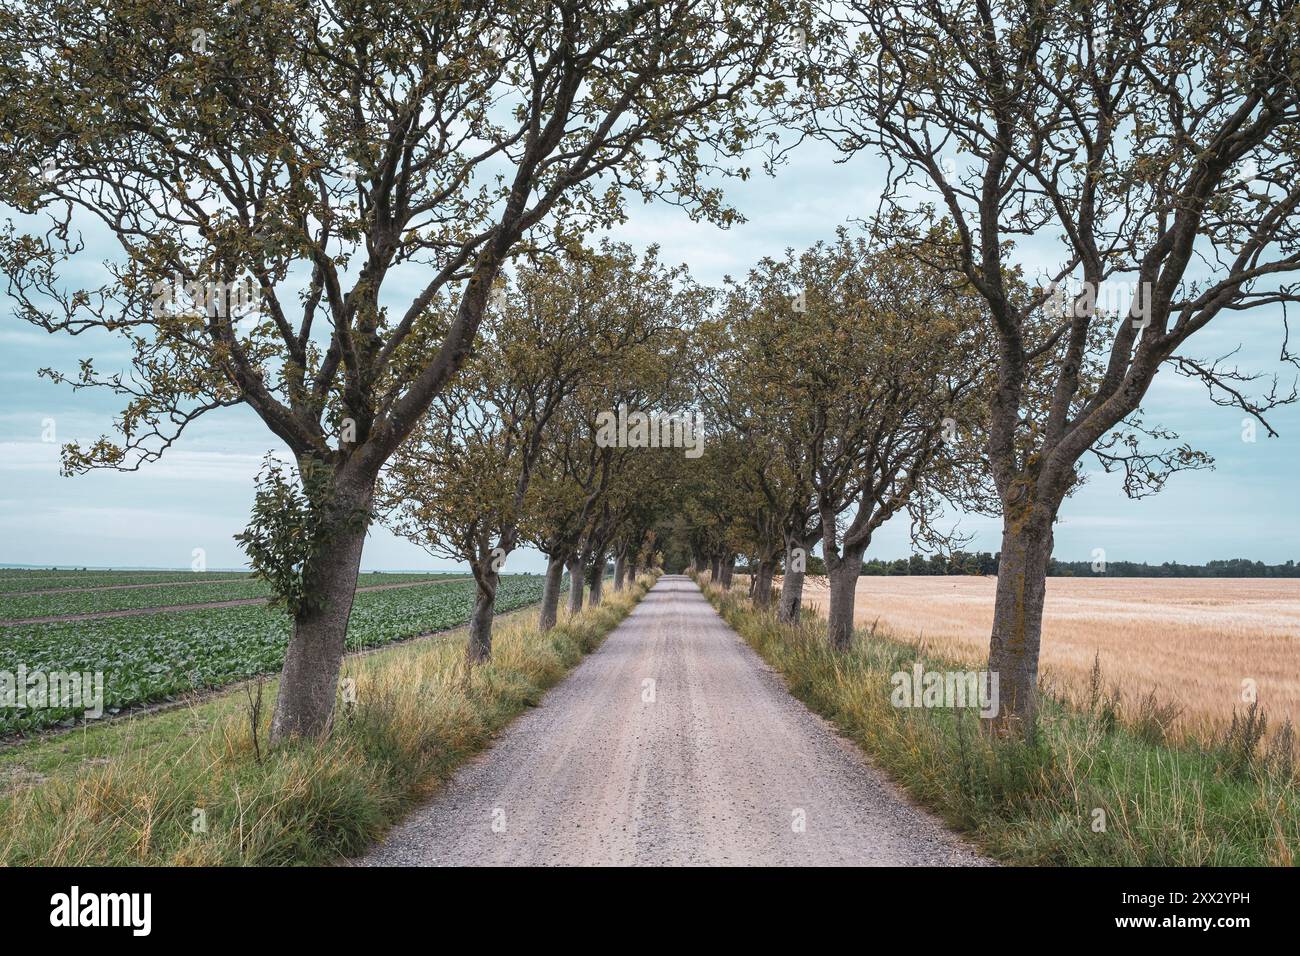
(1231, 568)
(983, 562)
(963, 562)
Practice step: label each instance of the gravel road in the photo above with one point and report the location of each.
(673, 744)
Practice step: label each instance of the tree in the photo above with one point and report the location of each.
(750, 383)
(571, 479)
(649, 397)
(585, 490)
(744, 515)
(459, 485)
(641, 495)
(307, 154)
(857, 366)
(711, 505)
(1156, 141)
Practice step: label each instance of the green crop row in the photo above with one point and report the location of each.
(194, 590)
(92, 602)
(18, 582)
(155, 657)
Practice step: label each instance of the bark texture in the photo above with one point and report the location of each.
(479, 648)
(575, 585)
(728, 571)
(839, 616)
(550, 610)
(791, 599)
(309, 680)
(1018, 625)
(763, 583)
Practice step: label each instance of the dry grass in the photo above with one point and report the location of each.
(1191, 641)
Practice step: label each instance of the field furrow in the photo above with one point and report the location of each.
(54, 606)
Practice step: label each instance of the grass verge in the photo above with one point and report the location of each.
(1089, 791)
(200, 787)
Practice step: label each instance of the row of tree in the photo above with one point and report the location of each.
(1231, 568)
(957, 562)
(372, 170)
(509, 453)
(1074, 191)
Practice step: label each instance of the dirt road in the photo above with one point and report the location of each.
(674, 743)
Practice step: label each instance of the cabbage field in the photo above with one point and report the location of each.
(158, 656)
(93, 592)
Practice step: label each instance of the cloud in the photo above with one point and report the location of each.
(189, 467)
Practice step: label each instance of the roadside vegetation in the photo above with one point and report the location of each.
(199, 785)
(1088, 790)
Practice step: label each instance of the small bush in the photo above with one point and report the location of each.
(1154, 720)
(1239, 749)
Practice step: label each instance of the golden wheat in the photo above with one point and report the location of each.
(1196, 642)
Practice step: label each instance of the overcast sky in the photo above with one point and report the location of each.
(198, 496)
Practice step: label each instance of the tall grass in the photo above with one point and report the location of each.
(1089, 791)
(204, 789)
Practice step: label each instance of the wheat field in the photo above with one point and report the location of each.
(1193, 641)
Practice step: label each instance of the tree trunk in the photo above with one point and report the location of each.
(479, 648)
(549, 613)
(575, 584)
(728, 569)
(1018, 625)
(715, 569)
(620, 570)
(596, 577)
(844, 585)
(309, 680)
(791, 600)
(763, 583)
